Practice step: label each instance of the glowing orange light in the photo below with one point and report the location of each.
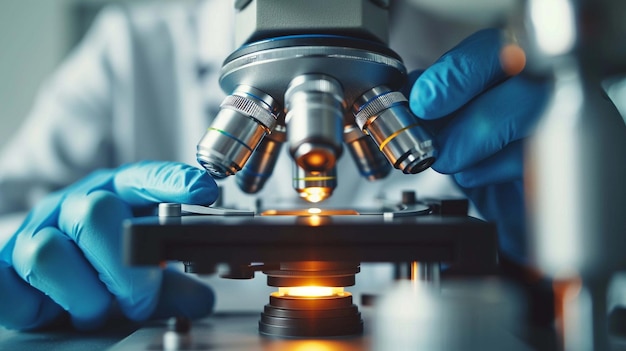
(310, 291)
(306, 345)
(315, 221)
(313, 346)
(311, 212)
(315, 194)
(315, 159)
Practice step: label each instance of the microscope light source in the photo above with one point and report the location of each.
(311, 291)
(311, 300)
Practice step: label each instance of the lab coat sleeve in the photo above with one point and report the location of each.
(67, 133)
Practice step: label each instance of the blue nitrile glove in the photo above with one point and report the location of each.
(480, 117)
(66, 256)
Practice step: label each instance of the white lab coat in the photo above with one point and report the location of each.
(132, 90)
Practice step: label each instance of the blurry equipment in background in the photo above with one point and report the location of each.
(576, 173)
(474, 314)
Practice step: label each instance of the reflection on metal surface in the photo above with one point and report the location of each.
(245, 117)
(315, 108)
(390, 211)
(261, 163)
(220, 331)
(372, 163)
(215, 211)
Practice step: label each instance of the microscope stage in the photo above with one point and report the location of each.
(464, 243)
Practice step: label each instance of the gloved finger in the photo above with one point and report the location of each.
(150, 182)
(505, 166)
(499, 116)
(23, 307)
(43, 215)
(52, 263)
(458, 76)
(94, 222)
(182, 295)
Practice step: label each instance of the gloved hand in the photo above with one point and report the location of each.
(480, 117)
(65, 259)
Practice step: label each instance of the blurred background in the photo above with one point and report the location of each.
(35, 35)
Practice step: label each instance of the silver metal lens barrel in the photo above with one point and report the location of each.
(371, 163)
(385, 116)
(314, 119)
(244, 118)
(314, 186)
(261, 164)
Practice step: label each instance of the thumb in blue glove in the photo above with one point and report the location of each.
(66, 256)
(480, 116)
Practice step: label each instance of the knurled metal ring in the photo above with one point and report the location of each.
(378, 105)
(250, 108)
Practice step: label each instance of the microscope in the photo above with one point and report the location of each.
(319, 76)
